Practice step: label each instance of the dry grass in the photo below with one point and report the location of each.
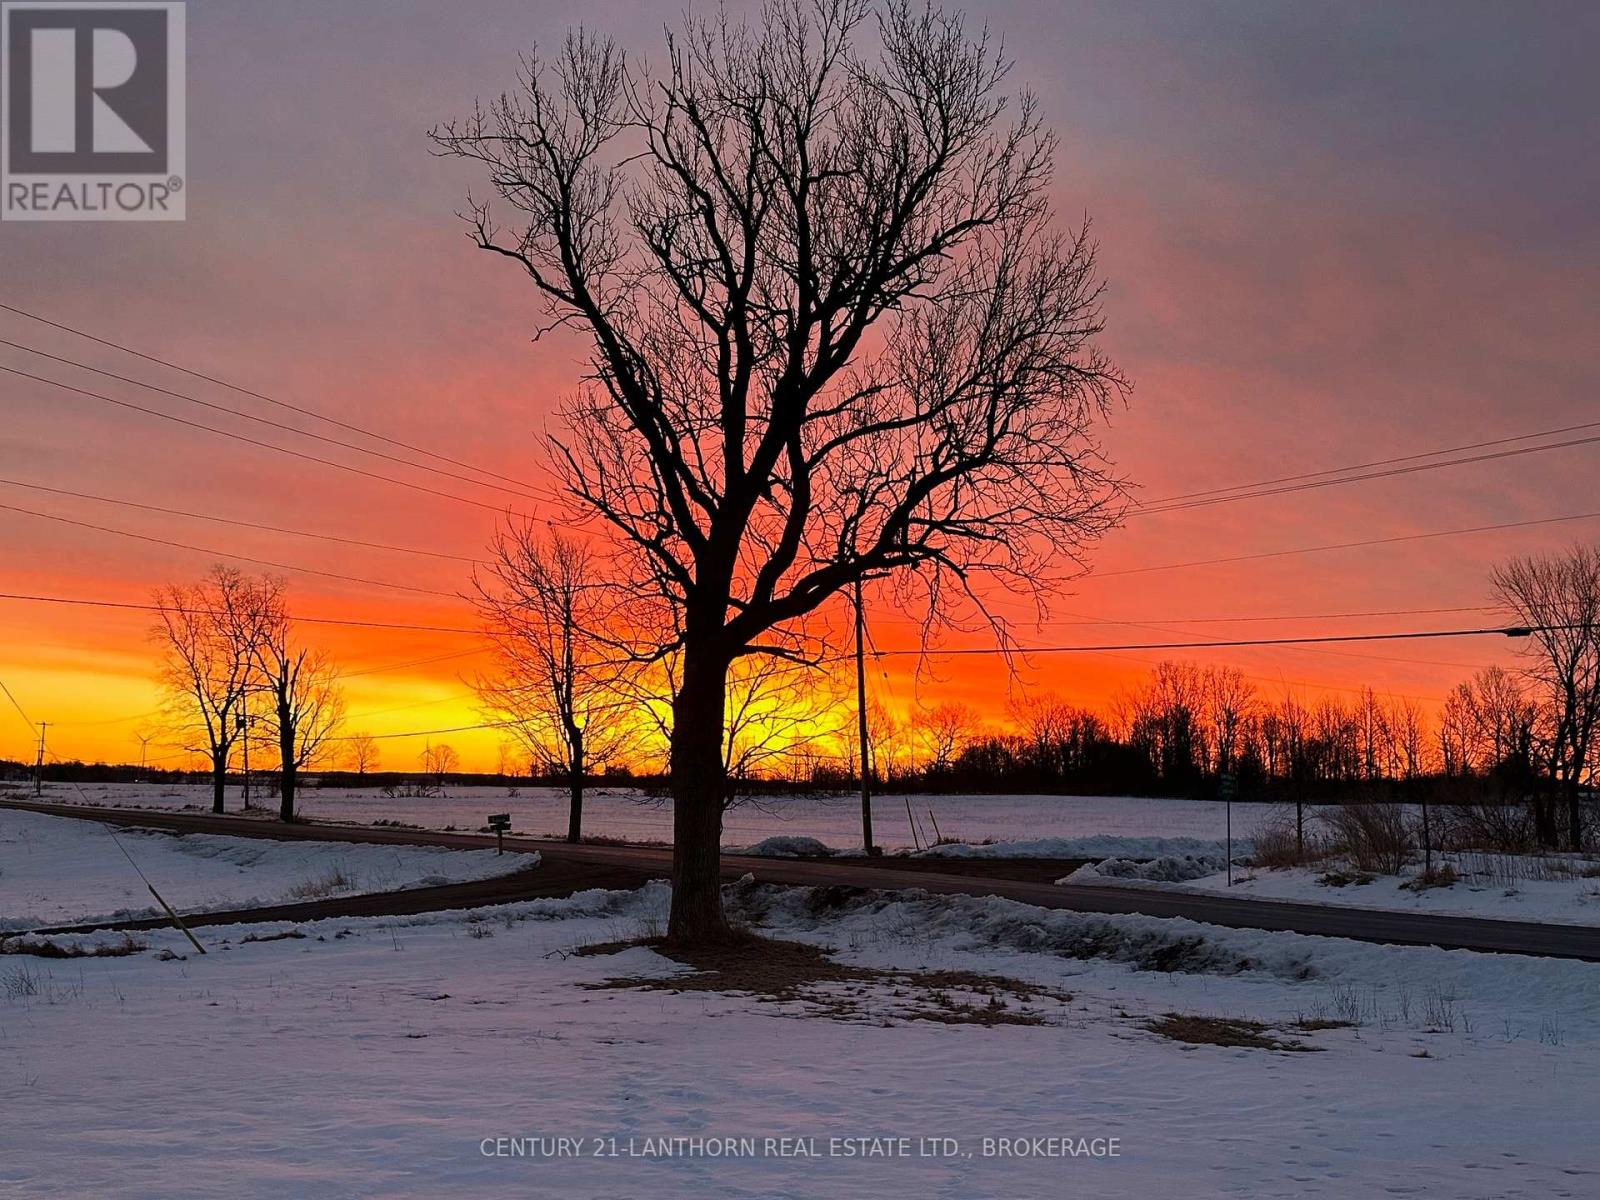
(1233, 1032)
(1274, 846)
(43, 949)
(322, 886)
(1318, 1024)
(1439, 877)
(794, 973)
(1339, 879)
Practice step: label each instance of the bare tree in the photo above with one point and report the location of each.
(1374, 738)
(833, 332)
(1230, 701)
(304, 704)
(1557, 597)
(505, 757)
(361, 751)
(439, 761)
(1046, 722)
(210, 632)
(779, 714)
(888, 748)
(559, 681)
(1502, 720)
(943, 732)
(1164, 721)
(1457, 734)
(1291, 723)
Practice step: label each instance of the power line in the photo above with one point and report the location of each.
(78, 601)
(415, 662)
(425, 732)
(32, 725)
(241, 437)
(284, 404)
(1305, 683)
(178, 512)
(78, 787)
(109, 720)
(246, 416)
(1506, 631)
(1335, 616)
(211, 553)
(1382, 462)
(1313, 485)
(343, 675)
(1424, 662)
(1388, 541)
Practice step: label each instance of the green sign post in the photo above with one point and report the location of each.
(1227, 787)
(499, 822)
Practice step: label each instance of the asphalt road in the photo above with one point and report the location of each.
(566, 868)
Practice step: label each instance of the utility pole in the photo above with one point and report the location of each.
(38, 764)
(861, 719)
(244, 734)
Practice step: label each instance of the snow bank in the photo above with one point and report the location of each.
(1499, 894)
(1097, 846)
(58, 870)
(784, 846)
(1521, 991)
(1166, 869)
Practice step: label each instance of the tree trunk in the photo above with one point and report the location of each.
(698, 784)
(1544, 820)
(575, 795)
(1575, 815)
(286, 751)
(219, 780)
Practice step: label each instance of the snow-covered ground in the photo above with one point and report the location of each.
(835, 821)
(59, 871)
(1509, 887)
(384, 1057)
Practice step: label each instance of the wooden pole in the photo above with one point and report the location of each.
(176, 920)
(38, 766)
(861, 726)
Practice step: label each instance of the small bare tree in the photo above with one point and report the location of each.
(438, 762)
(834, 334)
(1230, 704)
(780, 714)
(303, 703)
(361, 751)
(559, 676)
(1557, 597)
(943, 732)
(209, 632)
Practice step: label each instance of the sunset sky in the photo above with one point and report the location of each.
(1333, 234)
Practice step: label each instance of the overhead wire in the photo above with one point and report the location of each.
(284, 404)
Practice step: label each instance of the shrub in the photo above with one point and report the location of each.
(1507, 828)
(1375, 836)
(1274, 846)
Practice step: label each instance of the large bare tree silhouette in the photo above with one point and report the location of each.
(833, 330)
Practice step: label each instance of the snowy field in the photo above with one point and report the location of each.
(834, 821)
(1505, 886)
(384, 1057)
(59, 871)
